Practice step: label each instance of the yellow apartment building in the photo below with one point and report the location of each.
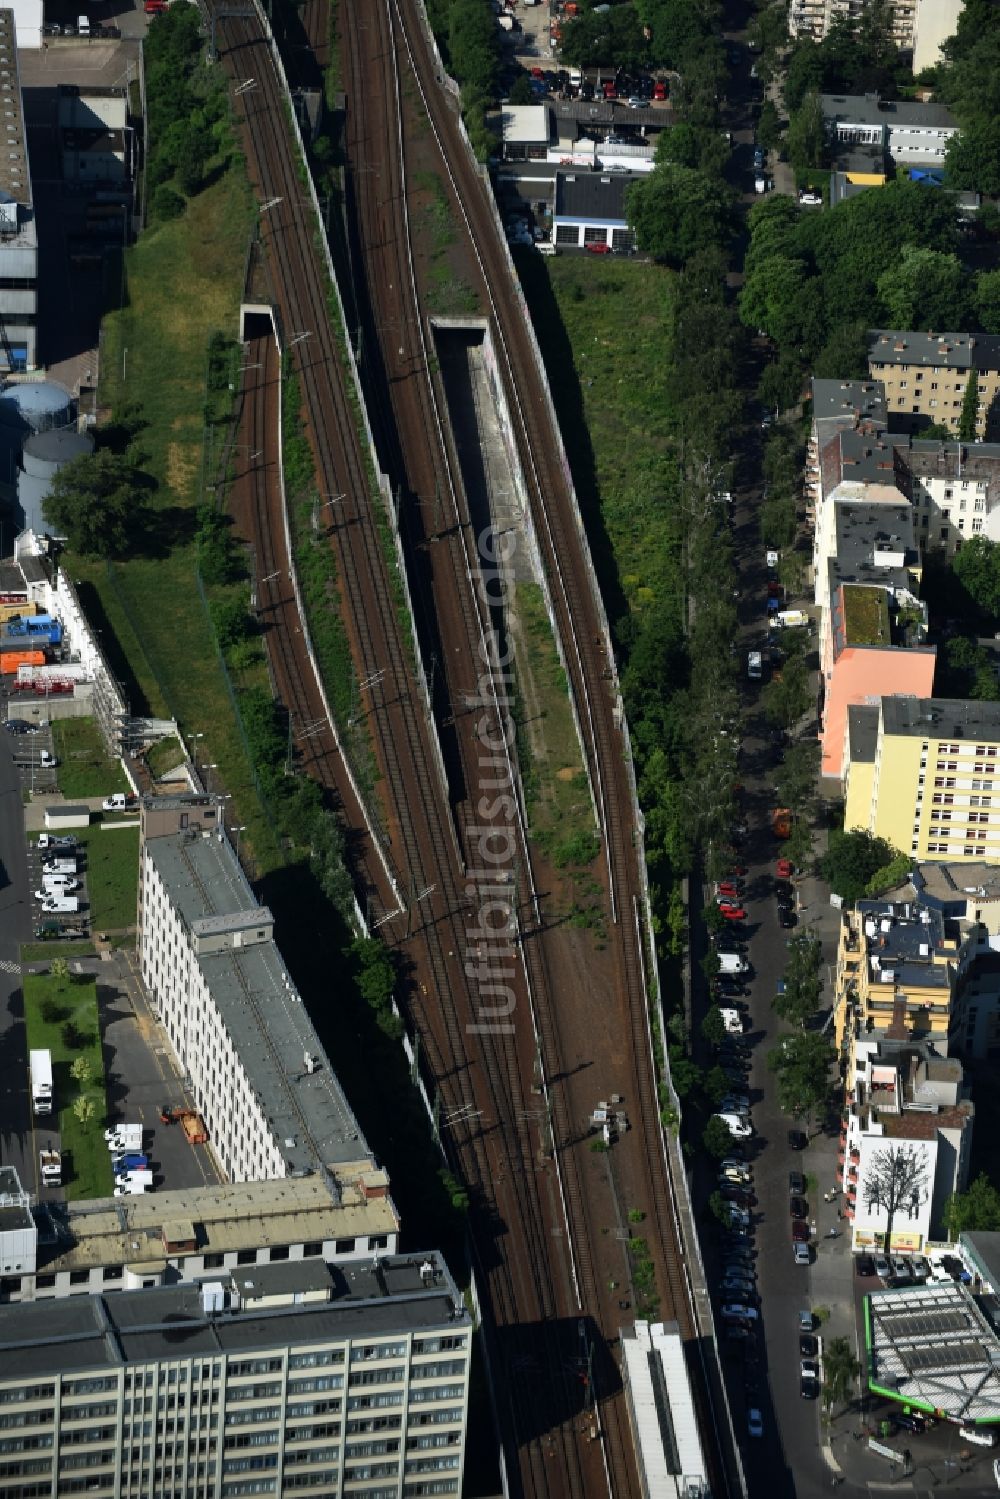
(925, 374)
(926, 776)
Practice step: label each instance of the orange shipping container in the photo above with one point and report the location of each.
(11, 660)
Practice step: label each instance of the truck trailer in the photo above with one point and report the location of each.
(40, 1063)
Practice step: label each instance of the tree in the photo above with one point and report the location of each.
(716, 1085)
(795, 779)
(844, 356)
(972, 157)
(80, 1071)
(841, 1369)
(92, 503)
(895, 1181)
(85, 1108)
(520, 90)
(781, 383)
(769, 126)
(802, 1063)
(977, 1210)
(600, 38)
(970, 408)
(59, 969)
(977, 568)
(852, 859)
(716, 1137)
(807, 134)
(676, 211)
(988, 300)
(787, 696)
(713, 1027)
(778, 520)
(889, 878)
(966, 670)
(924, 288)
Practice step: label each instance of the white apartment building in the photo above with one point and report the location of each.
(918, 26)
(59, 1249)
(954, 488)
(277, 1381)
(216, 980)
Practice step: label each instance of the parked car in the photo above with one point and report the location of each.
(796, 1183)
(798, 1207)
(738, 1311)
(736, 913)
(786, 918)
(811, 200)
(808, 1379)
(119, 802)
(800, 1252)
(910, 1421)
(783, 869)
(919, 1267)
(864, 1265)
(797, 1139)
(900, 1270)
(737, 1162)
(808, 1346)
(20, 726)
(54, 841)
(800, 1231)
(805, 1320)
(755, 1422)
(882, 1268)
(598, 247)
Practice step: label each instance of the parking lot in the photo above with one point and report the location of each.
(31, 746)
(58, 888)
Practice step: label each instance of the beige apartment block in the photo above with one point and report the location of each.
(926, 374)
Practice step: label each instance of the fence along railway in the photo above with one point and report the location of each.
(539, 1254)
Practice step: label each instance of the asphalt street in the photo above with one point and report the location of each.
(16, 1133)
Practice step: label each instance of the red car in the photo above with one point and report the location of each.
(800, 1232)
(659, 89)
(537, 73)
(729, 887)
(599, 247)
(610, 91)
(733, 913)
(783, 869)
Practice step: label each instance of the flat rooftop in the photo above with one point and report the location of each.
(14, 1214)
(957, 351)
(954, 887)
(906, 941)
(591, 195)
(310, 1118)
(401, 1294)
(941, 718)
(862, 732)
(129, 1230)
(525, 124)
(869, 109)
(952, 460)
(933, 1347)
(848, 401)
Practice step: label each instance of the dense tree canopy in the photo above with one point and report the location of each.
(852, 859)
(977, 568)
(924, 289)
(92, 503)
(677, 211)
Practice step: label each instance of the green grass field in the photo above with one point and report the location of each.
(184, 282)
(112, 875)
(61, 1017)
(85, 768)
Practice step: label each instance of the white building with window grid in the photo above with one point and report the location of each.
(279, 1380)
(216, 980)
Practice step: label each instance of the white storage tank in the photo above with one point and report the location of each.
(43, 455)
(28, 406)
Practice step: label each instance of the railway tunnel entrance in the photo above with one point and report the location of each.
(512, 579)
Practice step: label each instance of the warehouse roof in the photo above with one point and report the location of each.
(957, 351)
(933, 1347)
(525, 124)
(595, 196)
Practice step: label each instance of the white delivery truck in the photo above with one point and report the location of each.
(50, 1166)
(733, 1021)
(59, 864)
(732, 962)
(127, 1137)
(143, 1177)
(40, 1063)
(788, 619)
(61, 905)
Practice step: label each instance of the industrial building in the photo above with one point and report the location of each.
(83, 1248)
(661, 1410)
(238, 1027)
(590, 210)
(347, 1380)
(925, 376)
(18, 227)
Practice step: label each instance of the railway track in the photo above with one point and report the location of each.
(536, 1285)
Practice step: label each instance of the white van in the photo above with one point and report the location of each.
(61, 905)
(82, 29)
(733, 963)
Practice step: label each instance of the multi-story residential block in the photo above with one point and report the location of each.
(933, 786)
(61, 1249)
(968, 898)
(872, 636)
(954, 488)
(279, 1380)
(907, 1125)
(18, 225)
(925, 377)
(216, 980)
(918, 27)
